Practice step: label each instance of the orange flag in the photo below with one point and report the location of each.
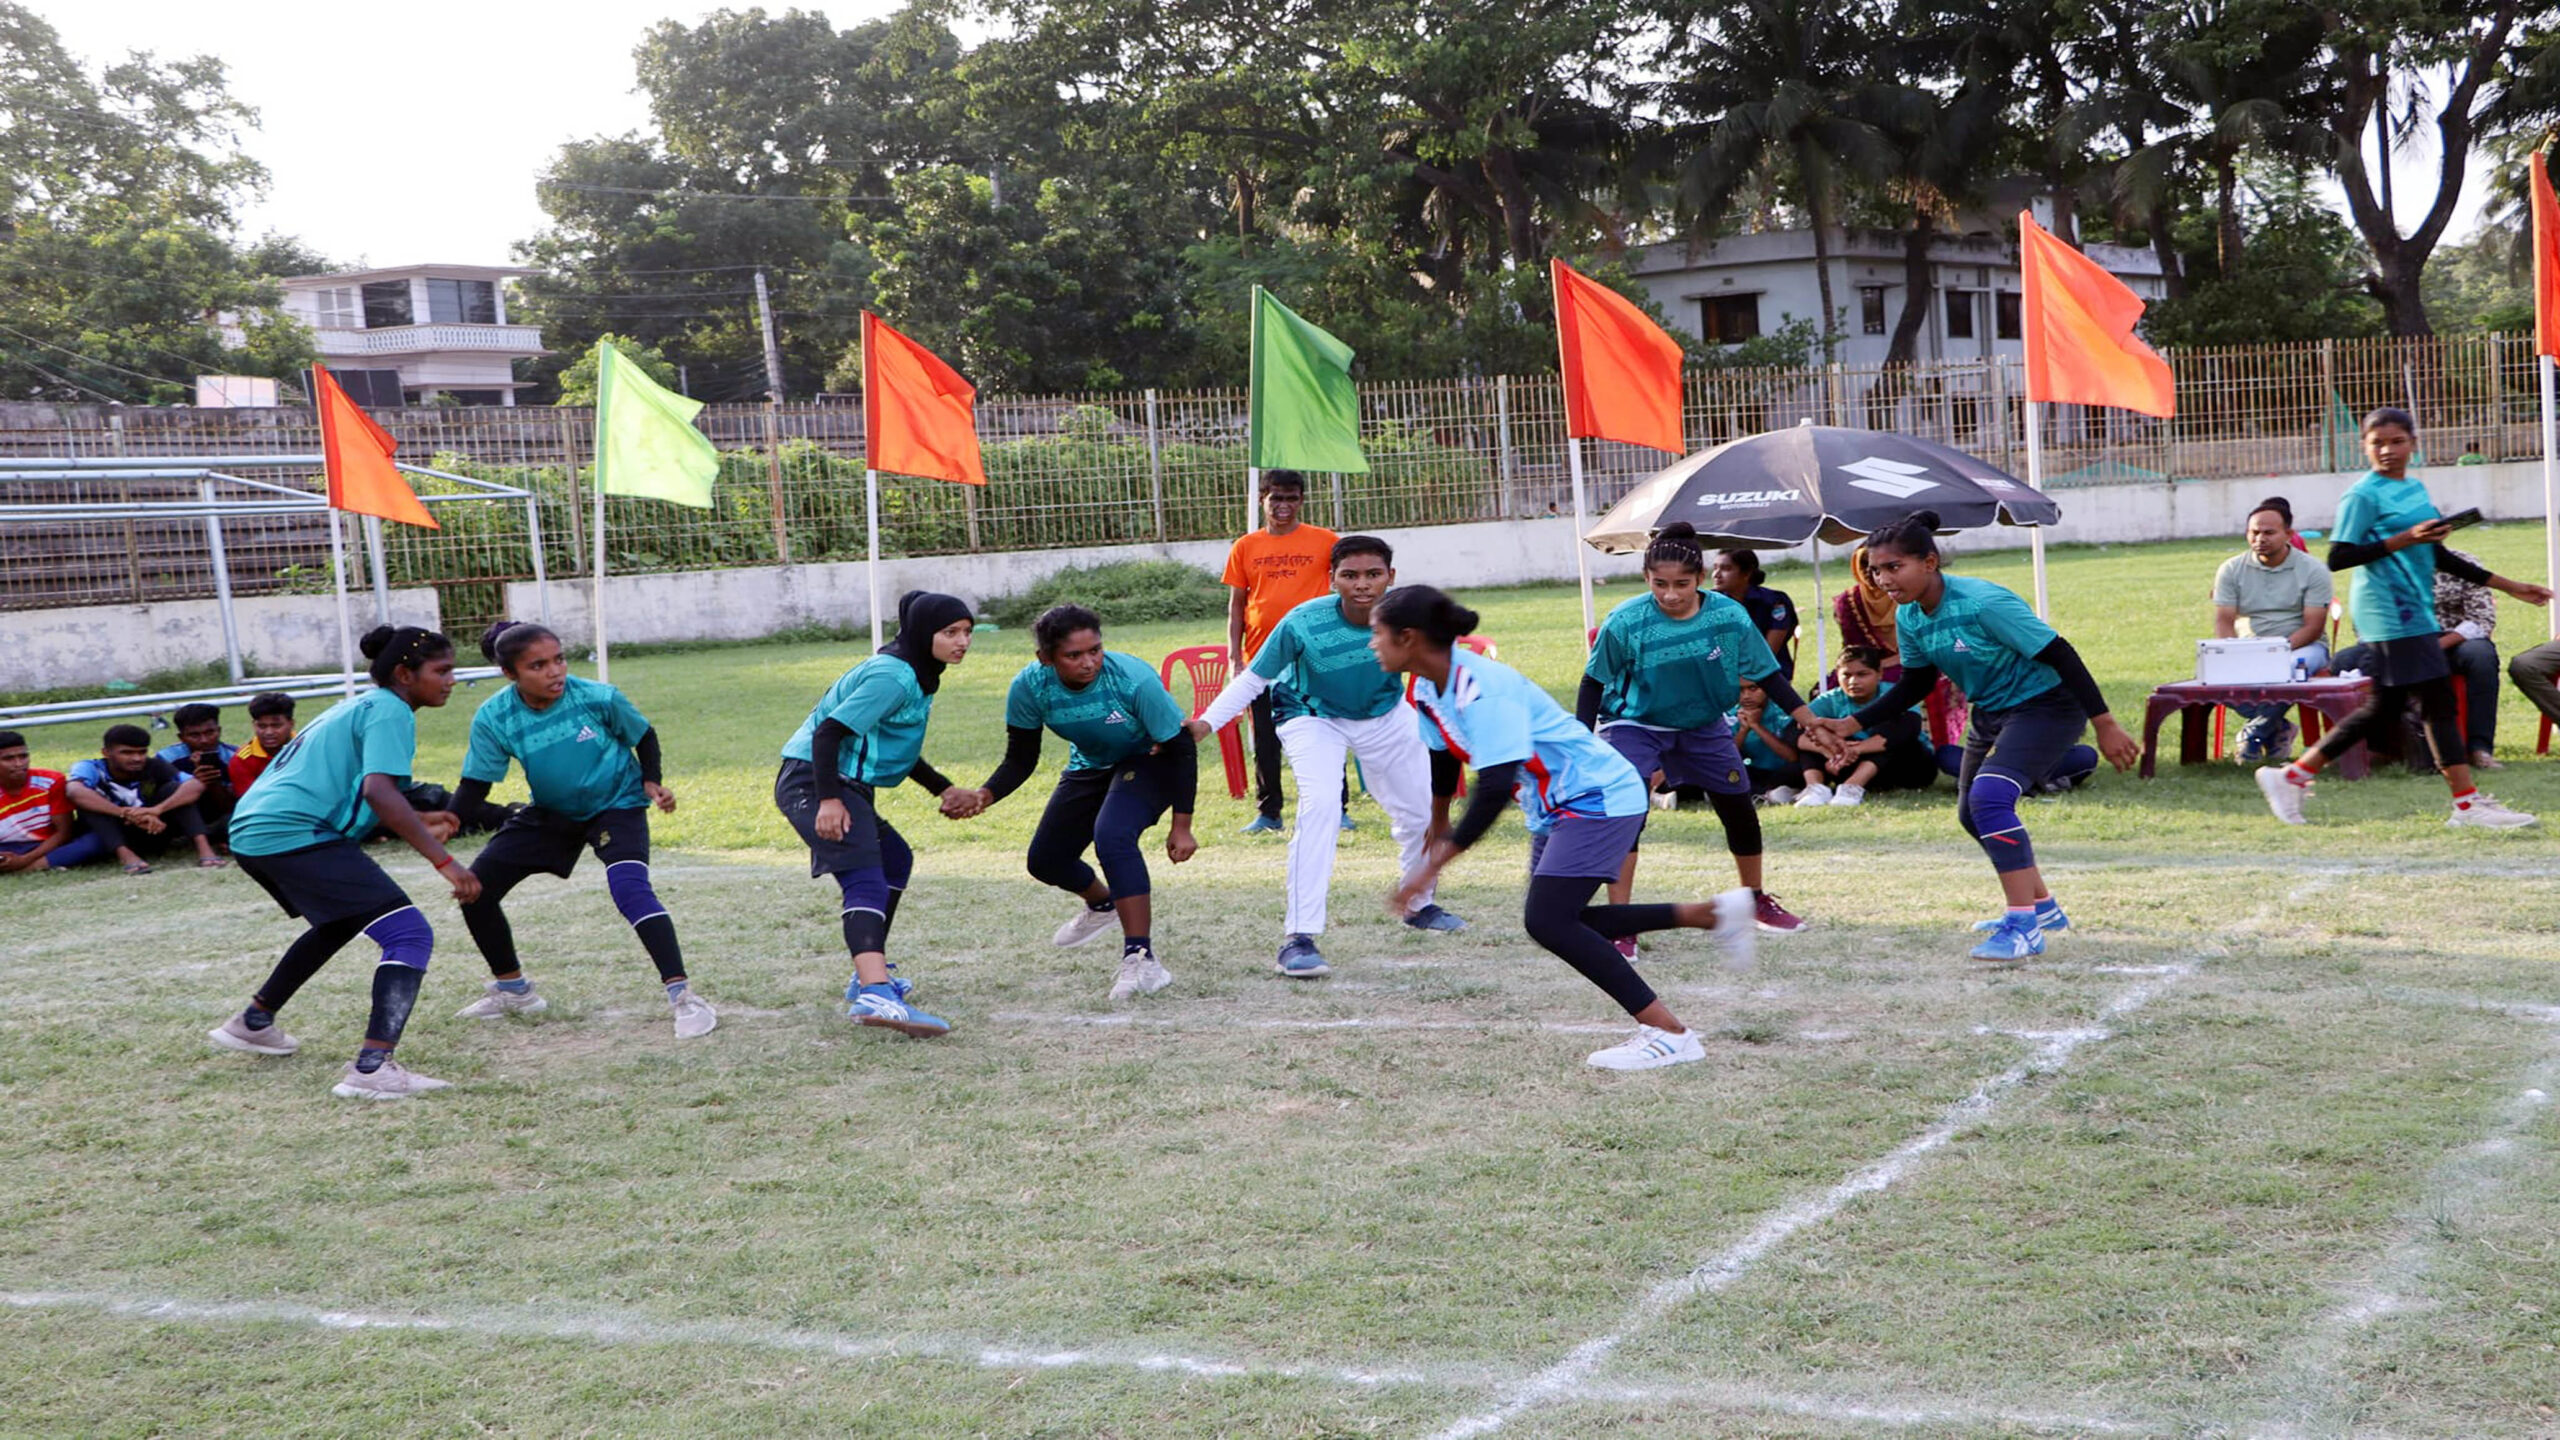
(918, 416)
(1621, 372)
(357, 456)
(2081, 349)
(2546, 261)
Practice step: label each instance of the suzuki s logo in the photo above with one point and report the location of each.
(1890, 477)
(1732, 498)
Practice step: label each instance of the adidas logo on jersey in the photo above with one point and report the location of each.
(585, 734)
(1958, 647)
(1115, 717)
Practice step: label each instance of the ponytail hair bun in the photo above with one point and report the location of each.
(375, 641)
(1915, 535)
(1677, 530)
(1926, 517)
(1429, 610)
(390, 647)
(505, 642)
(489, 640)
(1676, 544)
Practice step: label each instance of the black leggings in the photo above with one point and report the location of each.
(1110, 810)
(1559, 915)
(2385, 707)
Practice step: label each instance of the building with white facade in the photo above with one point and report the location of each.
(1744, 286)
(409, 333)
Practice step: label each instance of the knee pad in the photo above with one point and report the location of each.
(1992, 817)
(405, 937)
(864, 889)
(628, 882)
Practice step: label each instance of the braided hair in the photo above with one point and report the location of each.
(1677, 544)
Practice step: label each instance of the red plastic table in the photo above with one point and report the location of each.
(2331, 698)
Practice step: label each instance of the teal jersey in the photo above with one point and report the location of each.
(1677, 674)
(1984, 639)
(2394, 597)
(1755, 751)
(576, 753)
(1123, 712)
(1320, 664)
(1492, 714)
(313, 791)
(1835, 704)
(881, 703)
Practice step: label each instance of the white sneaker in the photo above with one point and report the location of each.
(2486, 813)
(694, 1016)
(1814, 797)
(1849, 795)
(1650, 1049)
(499, 1002)
(1140, 974)
(235, 1034)
(1782, 795)
(1737, 931)
(2283, 796)
(391, 1082)
(1666, 799)
(1087, 924)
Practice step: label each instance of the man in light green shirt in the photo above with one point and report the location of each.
(2273, 589)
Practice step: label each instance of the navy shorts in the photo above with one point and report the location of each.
(2024, 742)
(1704, 757)
(537, 840)
(795, 794)
(1581, 847)
(334, 880)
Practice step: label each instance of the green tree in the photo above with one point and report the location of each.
(2304, 279)
(578, 383)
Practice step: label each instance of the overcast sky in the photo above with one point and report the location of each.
(403, 133)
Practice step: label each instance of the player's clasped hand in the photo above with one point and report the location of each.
(961, 804)
(659, 795)
(466, 886)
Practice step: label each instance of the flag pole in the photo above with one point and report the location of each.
(2035, 482)
(2551, 481)
(871, 523)
(346, 621)
(1581, 551)
(1253, 365)
(595, 605)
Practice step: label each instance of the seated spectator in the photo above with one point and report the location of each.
(1893, 756)
(2468, 617)
(1765, 736)
(2273, 589)
(2536, 672)
(201, 753)
(1773, 612)
(2471, 455)
(270, 730)
(134, 801)
(36, 828)
(2284, 507)
(1865, 616)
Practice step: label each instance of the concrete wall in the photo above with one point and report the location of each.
(750, 603)
(279, 635)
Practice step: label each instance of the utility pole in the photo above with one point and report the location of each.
(772, 351)
(684, 380)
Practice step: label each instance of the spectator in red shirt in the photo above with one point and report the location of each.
(35, 815)
(271, 728)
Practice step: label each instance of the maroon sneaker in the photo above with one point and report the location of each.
(1626, 948)
(1774, 917)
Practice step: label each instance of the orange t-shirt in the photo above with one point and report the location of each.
(1279, 573)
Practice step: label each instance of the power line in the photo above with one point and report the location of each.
(91, 359)
(676, 194)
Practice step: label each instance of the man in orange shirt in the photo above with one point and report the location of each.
(1272, 571)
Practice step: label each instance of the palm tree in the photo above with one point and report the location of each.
(2243, 70)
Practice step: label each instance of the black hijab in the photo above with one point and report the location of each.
(922, 614)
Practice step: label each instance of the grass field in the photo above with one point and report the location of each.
(2262, 1147)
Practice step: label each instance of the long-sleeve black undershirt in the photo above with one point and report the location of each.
(471, 797)
(1918, 680)
(651, 761)
(1494, 784)
(825, 758)
(1021, 760)
(1781, 693)
(1178, 757)
(2349, 554)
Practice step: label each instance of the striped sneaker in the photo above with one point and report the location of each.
(1650, 1049)
(878, 1005)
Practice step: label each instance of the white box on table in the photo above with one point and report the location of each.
(2244, 660)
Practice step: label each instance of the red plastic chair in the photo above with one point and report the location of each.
(1207, 667)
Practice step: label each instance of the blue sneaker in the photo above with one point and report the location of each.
(1300, 960)
(1432, 917)
(881, 1005)
(903, 986)
(2012, 940)
(1350, 824)
(2049, 916)
(1261, 825)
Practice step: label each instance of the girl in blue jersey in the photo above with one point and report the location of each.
(2031, 698)
(1664, 670)
(2389, 533)
(1584, 804)
(1129, 761)
(296, 833)
(591, 760)
(867, 732)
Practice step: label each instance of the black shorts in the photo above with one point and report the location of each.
(537, 840)
(795, 794)
(334, 880)
(2407, 661)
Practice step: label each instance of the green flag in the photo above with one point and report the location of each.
(645, 441)
(1306, 415)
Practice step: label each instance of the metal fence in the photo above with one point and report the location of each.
(1076, 472)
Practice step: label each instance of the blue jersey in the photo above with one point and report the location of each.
(1671, 674)
(576, 751)
(881, 703)
(2394, 595)
(313, 791)
(1124, 711)
(1321, 664)
(1492, 714)
(1983, 638)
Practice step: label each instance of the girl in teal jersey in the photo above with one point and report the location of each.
(591, 760)
(2031, 697)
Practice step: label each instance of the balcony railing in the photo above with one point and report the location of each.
(413, 339)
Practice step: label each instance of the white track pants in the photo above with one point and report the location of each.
(1397, 769)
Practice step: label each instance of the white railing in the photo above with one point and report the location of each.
(412, 339)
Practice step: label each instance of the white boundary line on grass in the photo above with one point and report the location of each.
(1360, 1022)
(1572, 1374)
(1898, 1412)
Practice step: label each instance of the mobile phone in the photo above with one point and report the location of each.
(2460, 518)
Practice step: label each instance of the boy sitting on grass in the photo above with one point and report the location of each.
(36, 832)
(134, 801)
(270, 730)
